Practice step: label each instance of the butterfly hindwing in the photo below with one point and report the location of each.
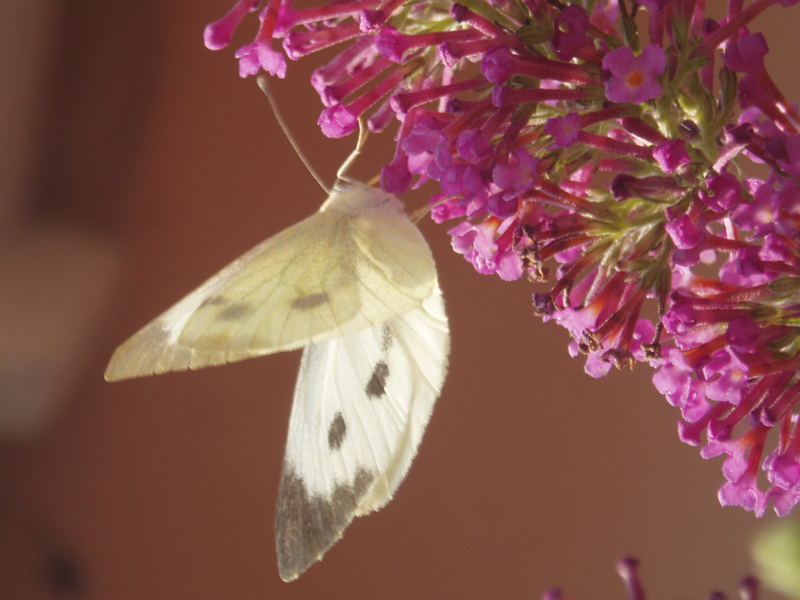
(355, 263)
(361, 406)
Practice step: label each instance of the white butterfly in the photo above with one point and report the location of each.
(356, 285)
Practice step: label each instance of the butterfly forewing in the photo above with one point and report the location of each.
(354, 264)
(361, 405)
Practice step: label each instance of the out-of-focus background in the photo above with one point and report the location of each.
(133, 164)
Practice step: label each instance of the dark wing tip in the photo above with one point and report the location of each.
(306, 525)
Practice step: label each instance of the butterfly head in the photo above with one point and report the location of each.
(354, 198)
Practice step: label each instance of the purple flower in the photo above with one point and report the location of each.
(337, 121)
(517, 175)
(497, 65)
(564, 130)
(743, 335)
(570, 38)
(473, 146)
(722, 192)
(726, 376)
(217, 35)
(395, 177)
(671, 155)
(259, 55)
(392, 44)
(746, 55)
(634, 78)
(558, 167)
(684, 232)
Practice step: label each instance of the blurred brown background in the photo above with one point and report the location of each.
(135, 163)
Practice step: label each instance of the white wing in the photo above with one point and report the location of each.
(360, 408)
(354, 264)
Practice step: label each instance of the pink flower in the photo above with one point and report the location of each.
(552, 163)
(259, 55)
(570, 39)
(634, 78)
(337, 121)
(564, 130)
(217, 35)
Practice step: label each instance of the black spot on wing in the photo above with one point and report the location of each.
(310, 301)
(376, 386)
(336, 432)
(234, 312)
(306, 525)
(388, 337)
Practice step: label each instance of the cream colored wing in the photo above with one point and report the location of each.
(361, 405)
(355, 264)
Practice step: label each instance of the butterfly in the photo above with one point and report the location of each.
(355, 285)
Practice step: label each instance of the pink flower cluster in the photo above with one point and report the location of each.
(565, 150)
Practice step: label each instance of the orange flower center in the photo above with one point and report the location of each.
(635, 78)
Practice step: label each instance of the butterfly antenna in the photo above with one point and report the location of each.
(262, 83)
(362, 137)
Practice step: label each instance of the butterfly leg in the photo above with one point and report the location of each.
(362, 137)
